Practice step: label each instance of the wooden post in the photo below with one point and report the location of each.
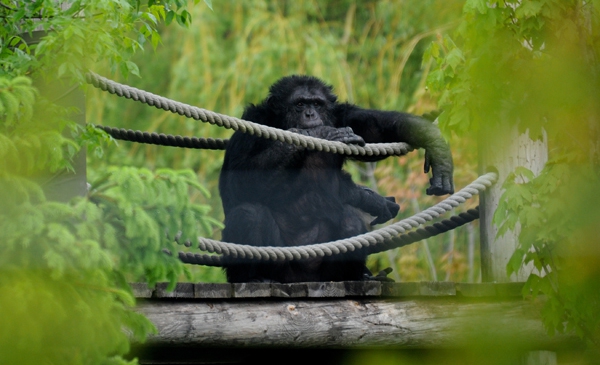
(503, 148)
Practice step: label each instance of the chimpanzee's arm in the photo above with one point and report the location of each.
(376, 126)
(367, 200)
(259, 153)
(345, 135)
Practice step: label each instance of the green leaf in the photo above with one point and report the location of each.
(436, 79)
(454, 58)
(169, 17)
(480, 6)
(528, 8)
(152, 18)
(532, 285)
(515, 262)
(525, 173)
(132, 68)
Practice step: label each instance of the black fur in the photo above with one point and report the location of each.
(276, 194)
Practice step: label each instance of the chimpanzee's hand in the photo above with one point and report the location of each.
(345, 135)
(432, 115)
(388, 210)
(381, 277)
(439, 159)
(384, 208)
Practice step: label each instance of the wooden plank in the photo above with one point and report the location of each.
(326, 290)
(362, 288)
(431, 322)
(182, 290)
(141, 290)
(296, 290)
(213, 290)
(262, 290)
(509, 289)
(400, 289)
(437, 288)
(251, 290)
(476, 290)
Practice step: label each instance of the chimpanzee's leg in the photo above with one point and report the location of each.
(350, 266)
(249, 224)
(253, 224)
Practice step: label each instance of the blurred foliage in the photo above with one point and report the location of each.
(65, 266)
(534, 64)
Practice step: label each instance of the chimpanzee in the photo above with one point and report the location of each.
(277, 194)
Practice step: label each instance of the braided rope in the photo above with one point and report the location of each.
(428, 231)
(374, 149)
(202, 259)
(165, 139)
(367, 241)
(403, 240)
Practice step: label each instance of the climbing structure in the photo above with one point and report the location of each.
(392, 236)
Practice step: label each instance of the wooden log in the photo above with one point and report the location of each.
(419, 322)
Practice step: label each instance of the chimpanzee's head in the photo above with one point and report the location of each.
(301, 102)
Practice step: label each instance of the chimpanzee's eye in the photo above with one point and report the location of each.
(300, 103)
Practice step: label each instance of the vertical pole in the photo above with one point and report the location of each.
(503, 148)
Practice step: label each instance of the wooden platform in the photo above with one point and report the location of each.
(329, 290)
(425, 315)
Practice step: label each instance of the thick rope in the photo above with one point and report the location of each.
(368, 241)
(375, 149)
(165, 139)
(403, 240)
(428, 231)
